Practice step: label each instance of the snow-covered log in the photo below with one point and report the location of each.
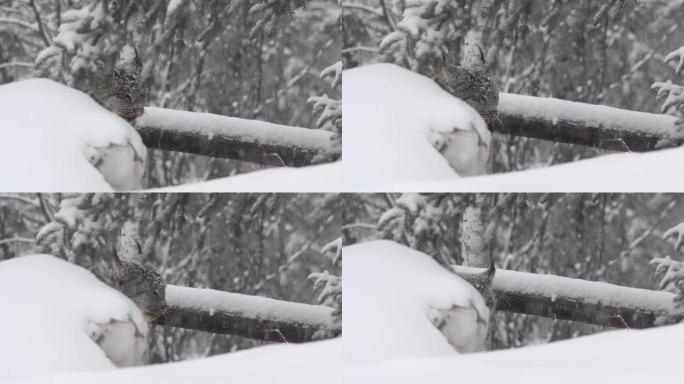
(574, 299)
(243, 315)
(231, 137)
(586, 124)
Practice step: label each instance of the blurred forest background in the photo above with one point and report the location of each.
(597, 237)
(254, 244)
(597, 52)
(255, 59)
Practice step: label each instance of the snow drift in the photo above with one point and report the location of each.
(626, 357)
(52, 311)
(394, 120)
(391, 294)
(55, 139)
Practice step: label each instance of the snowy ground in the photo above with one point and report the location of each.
(655, 172)
(626, 357)
(317, 178)
(310, 363)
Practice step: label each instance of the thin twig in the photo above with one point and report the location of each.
(390, 21)
(367, 8)
(43, 32)
(21, 23)
(20, 64)
(360, 49)
(17, 239)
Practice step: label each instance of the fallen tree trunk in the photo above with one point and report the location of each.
(255, 317)
(586, 124)
(231, 137)
(579, 300)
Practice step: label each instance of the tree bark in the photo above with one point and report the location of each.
(578, 300)
(130, 242)
(474, 41)
(596, 126)
(254, 317)
(233, 138)
(473, 245)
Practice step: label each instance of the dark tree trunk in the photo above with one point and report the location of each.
(585, 124)
(233, 138)
(248, 316)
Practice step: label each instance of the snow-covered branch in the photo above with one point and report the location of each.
(586, 124)
(19, 64)
(248, 316)
(230, 137)
(579, 300)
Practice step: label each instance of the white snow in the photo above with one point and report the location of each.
(394, 120)
(309, 363)
(391, 292)
(52, 135)
(626, 357)
(51, 313)
(173, 7)
(324, 178)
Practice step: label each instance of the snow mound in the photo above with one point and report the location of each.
(309, 363)
(54, 139)
(390, 294)
(51, 313)
(316, 178)
(394, 120)
(625, 356)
